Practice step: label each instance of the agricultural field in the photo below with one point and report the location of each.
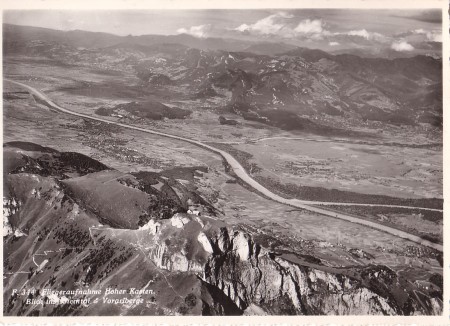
(206, 176)
(377, 169)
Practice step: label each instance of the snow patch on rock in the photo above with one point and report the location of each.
(10, 207)
(36, 193)
(179, 221)
(204, 241)
(19, 233)
(152, 226)
(199, 221)
(74, 212)
(241, 245)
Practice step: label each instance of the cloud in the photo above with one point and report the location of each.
(243, 28)
(362, 33)
(197, 31)
(401, 46)
(434, 36)
(309, 26)
(312, 28)
(366, 35)
(272, 24)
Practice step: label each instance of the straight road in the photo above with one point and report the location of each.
(240, 172)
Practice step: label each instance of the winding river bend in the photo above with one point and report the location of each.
(240, 172)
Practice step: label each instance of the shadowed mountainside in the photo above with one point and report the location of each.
(98, 227)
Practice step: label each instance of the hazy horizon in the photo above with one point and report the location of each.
(400, 30)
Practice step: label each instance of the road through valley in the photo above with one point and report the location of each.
(240, 172)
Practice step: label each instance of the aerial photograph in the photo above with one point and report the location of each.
(223, 162)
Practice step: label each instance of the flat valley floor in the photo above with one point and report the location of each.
(92, 205)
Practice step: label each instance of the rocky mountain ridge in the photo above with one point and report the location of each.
(58, 240)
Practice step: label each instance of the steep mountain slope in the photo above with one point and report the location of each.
(101, 242)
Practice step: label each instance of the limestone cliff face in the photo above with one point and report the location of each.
(163, 258)
(195, 263)
(252, 276)
(249, 274)
(10, 207)
(251, 279)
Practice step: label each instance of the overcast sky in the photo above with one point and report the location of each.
(401, 29)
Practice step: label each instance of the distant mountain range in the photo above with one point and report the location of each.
(89, 40)
(276, 84)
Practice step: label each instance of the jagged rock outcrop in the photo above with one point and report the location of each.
(10, 207)
(209, 266)
(178, 261)
(251, 275)
(259, 280)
